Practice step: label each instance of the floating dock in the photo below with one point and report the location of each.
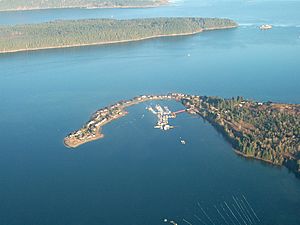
(163, 115)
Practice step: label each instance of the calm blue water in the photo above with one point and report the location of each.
(138, 175)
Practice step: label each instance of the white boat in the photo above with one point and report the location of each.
(182, 142)
(266, 27)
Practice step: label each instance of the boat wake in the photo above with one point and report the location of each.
(258, 24)
(236, 211)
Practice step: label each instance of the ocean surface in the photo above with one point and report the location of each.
(138, 175)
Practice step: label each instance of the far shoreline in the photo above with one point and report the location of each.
(161, 3)
(116, 42)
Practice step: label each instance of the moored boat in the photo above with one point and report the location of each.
(266, 27)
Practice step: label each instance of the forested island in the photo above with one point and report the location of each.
(17, 5)
(261, 130)
(73, 33)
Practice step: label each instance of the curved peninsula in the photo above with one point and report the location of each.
(74, 33)
(261, 130)
(21, 5)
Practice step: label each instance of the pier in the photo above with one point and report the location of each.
(163, 115)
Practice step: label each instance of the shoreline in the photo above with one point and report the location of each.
(98, 136)
(70, 143)
(159, 4)
(231, 141)
(255, 158)
(116, 42)
(92, 130)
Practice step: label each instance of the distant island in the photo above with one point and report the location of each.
(20, 5)
(261, 130)
(74, 33)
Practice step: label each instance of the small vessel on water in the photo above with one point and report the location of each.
(183, 142)
(266, 27)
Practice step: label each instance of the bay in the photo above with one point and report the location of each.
(136, 174)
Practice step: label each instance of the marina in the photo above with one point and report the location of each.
(163, 115)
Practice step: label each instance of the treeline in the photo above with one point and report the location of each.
(85, 32)
(42, 4)
(265, 131)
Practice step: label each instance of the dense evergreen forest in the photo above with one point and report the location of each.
(6, 5)
(97, 31)
(266, 131)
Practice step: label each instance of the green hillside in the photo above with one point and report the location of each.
(100, 31)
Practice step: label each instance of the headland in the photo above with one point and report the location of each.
(264, 131)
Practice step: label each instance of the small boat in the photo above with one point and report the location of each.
(266, 27)
(183, 142)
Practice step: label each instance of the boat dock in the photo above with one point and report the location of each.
(163, 115)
